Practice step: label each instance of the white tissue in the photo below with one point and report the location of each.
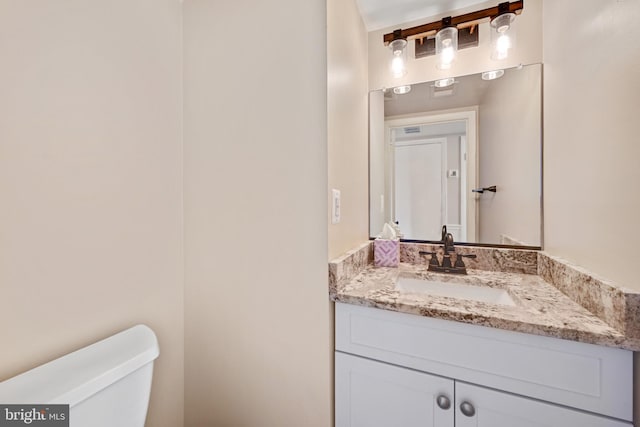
(388, 232)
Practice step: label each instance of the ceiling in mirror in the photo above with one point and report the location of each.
(437, 154)
(378, 14)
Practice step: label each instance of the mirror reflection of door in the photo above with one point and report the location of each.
(419, 166)
(427, 161)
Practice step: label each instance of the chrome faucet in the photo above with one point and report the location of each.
(445, 259)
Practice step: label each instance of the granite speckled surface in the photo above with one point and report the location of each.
(492, 259)
(540, 306)
(617, 306)
(349, 265)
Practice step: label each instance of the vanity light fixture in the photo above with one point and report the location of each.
(398, 48)
(401, 90)
(446, 44)
(502, 33)
(492, 75)
(446, 33)
(444, 82)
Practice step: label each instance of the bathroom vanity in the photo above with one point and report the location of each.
(411, 357)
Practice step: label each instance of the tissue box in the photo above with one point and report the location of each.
(386, 252)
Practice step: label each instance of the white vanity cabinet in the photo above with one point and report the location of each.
(376, 394)
(400, 370)
(481, 407)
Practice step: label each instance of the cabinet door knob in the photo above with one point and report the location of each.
(443, 402)
(467, 409)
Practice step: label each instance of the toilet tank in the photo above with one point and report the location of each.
(106, 384)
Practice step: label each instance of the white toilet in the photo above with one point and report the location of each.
(106, 384)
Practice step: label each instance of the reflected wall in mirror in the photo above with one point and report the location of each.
(433, 150)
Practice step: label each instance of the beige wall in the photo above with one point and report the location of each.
(469, 61)
(591, 92)
(347, 123)
(258, 342)
(91, 183)
(509, 125)
(592, 204)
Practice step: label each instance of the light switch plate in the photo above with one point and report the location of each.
(335, 206)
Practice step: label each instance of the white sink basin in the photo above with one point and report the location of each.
(454, 290)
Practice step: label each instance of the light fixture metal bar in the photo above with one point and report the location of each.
(461, 21)
(467, 37)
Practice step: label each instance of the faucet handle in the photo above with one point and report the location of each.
(433, 260)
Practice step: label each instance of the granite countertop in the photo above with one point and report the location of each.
(540, 308)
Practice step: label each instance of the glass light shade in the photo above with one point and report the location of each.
(401, 90)
(446, 47)
(398, 57)
(444, 82)
(503, 36)
(492, 75)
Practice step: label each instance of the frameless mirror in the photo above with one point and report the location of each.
(467, 156)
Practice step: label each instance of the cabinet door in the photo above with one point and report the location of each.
(375, 394)
(481, 407)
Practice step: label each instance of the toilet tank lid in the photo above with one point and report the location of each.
(76, 376)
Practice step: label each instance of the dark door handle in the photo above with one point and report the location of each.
(493, 189)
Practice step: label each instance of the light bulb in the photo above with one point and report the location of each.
(447, 54)
(503, 44)
(398, 67)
